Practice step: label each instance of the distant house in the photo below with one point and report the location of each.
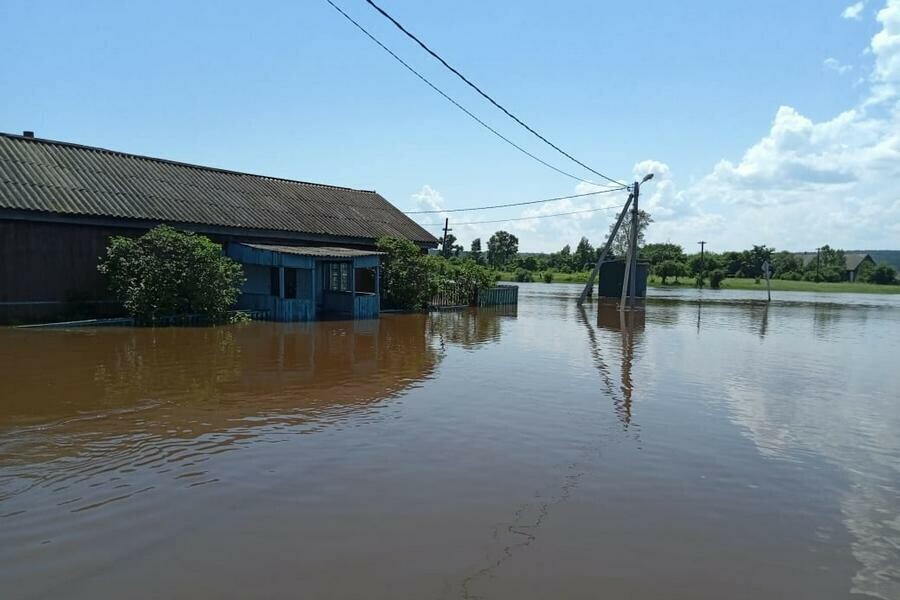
(852, 262)
(308, 249)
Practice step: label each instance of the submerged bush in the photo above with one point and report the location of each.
(410, 278)
(716, 276)
(170, 273)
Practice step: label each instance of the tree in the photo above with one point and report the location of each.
(584, 256)
(785, 262)
(447, 245)
(755, 259)
(670, 268)
(561, 260)
(404, 274)
(166, 273)
(828, 265)
(620, 242)
(502, 247)
(475, 252)
(657, 253)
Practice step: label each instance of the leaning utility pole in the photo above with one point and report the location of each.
(444, 242)
(632, 245)
(702, 262)
(588, 288)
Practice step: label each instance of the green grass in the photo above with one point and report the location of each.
(778, 285)
(782, 285)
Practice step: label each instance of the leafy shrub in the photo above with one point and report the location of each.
(524, 275)
(166, 273)
(790, 276)
(548, 277)
(410, 279)
(716, 276)
(883, 274)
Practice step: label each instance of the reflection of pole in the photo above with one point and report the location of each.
(588, 288)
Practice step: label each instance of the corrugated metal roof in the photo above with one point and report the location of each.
(852, 260)
(319, 252)
(57, 177)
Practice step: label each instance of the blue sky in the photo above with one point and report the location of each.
(766, 122)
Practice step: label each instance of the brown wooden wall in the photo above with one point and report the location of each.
(49, 270)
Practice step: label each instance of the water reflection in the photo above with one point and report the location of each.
(127, 398)
(471, 327)
(628, 326)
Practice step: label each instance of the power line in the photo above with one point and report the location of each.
(486, 96)
(452, 210)
(562, 214)
(454, 102)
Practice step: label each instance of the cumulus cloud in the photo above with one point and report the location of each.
(854, 11)
(804, 183)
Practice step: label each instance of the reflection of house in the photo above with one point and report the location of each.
(852, 262)
(60, 203)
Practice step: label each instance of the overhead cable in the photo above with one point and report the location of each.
(485, 95)
(454, 102)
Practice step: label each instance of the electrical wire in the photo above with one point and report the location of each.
(454, 102)
(452, 210)
(486, 96)
(562, 214)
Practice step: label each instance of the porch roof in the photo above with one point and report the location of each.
(315, 251)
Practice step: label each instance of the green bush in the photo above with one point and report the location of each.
(410, 279)
(170, 273)
(716, 276)
(548, 277)
(790, 276)
(524, 275)
(883, 274)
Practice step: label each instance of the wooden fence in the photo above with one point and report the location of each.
(457, 297)
(498, 295)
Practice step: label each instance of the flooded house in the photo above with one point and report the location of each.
(308, 249)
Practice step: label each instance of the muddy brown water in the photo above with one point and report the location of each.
(710, 447)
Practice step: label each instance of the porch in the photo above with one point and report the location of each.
(306, 283)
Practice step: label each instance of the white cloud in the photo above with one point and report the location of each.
(854, 11)
(804, 183)
(836, 66)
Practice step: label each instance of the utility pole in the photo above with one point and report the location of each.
(444, 243)
(628, 281)
(817, 264)
(635, 233)
(702, 262)
(588, 288)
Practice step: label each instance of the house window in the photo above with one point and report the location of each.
(274, 281)
(290, 282)
(365, 280)
(337, 277)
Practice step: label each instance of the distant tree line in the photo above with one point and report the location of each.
(670, 261)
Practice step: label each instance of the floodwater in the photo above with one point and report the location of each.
(711, 447)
